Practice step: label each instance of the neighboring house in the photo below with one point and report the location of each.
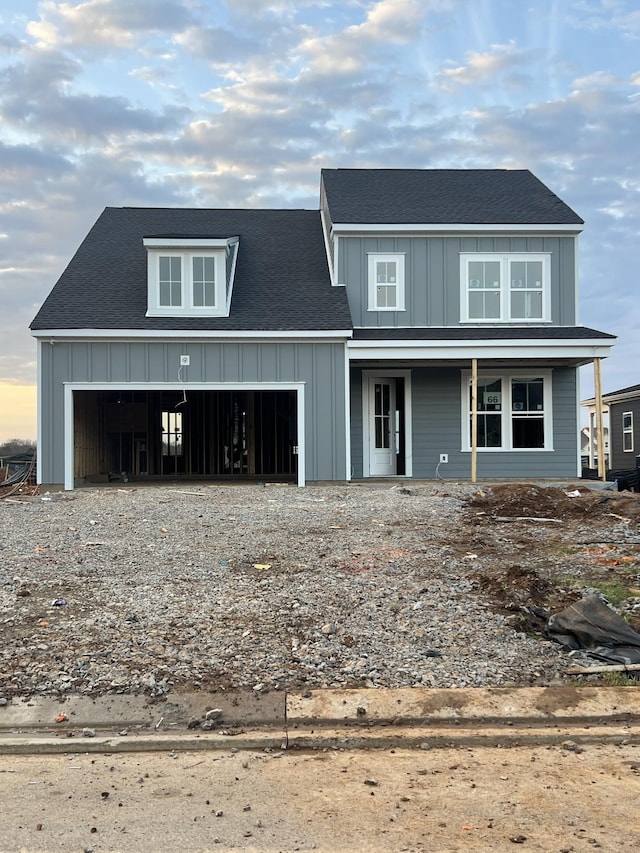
(321, 345)
(623, 408)
(589, 446)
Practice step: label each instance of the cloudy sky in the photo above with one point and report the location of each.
(229, 103)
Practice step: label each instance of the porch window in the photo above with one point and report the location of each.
(627, 432)
(489, 412)
(513, 412)
(527, 413)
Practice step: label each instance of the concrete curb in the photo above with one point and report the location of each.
(319, 719)
(479, 706)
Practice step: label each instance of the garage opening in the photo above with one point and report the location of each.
(235, 434)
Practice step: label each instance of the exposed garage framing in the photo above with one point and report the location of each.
(234, 430)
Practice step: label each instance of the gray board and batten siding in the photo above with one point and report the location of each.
(432, 274)
(621, 459)
(436, 427)
(317, 366)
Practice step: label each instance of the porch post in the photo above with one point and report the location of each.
(602, 472)
(474, 419)
(592, 437)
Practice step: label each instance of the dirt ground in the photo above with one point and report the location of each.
(529, 549)
(525, 545)
(550, 799)
(551, 544)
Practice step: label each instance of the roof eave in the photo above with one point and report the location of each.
(355, 228)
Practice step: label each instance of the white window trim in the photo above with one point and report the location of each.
(187, 248)
(373, 258)
(628, 431)
(505, 259)
(186, 308)
(506, 412)
(367, 375)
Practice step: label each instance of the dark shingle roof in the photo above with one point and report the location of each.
(631, 391)
(476, 333)
(443, 196)
(281, 284)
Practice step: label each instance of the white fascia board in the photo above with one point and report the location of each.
(166, 334)
(620, 398)
(232, 278)
(188, 242)
(534, 349)
(327, 246)
(353, 228)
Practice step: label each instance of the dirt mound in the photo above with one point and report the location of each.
(519, 500)
(523, 591)
(514, 586)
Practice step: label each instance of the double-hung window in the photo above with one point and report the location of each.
(190, 277)
(505, 288)
(203, 281)
(170, 281)
(187, 279)
(386, 282)
(513, 411)
(627, 432)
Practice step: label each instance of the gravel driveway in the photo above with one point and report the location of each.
(160, 588)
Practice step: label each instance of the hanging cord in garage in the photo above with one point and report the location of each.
(184, 391)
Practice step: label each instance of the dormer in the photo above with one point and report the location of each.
(190, 276)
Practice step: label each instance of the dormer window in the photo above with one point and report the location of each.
(190, 277)
(170, 281)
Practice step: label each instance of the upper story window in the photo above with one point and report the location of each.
(386, 282)
(190, 277)
(505, 288)
(170, 281)
(627, 432)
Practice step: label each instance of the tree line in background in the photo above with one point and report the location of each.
(17, 445)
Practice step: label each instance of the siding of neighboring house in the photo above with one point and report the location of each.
(619, 458)
(432, 275)
(437, 428)
(320, 366)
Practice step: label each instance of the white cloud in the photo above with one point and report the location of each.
(113, 23)
(217, 45)
(242, 102)
(596, 80)
(486, 67)
(387, 25)
(622, 16)
(36, 98)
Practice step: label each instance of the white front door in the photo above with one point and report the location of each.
(382, 427)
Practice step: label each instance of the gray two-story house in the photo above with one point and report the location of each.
(623, 409)
(421, 323)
